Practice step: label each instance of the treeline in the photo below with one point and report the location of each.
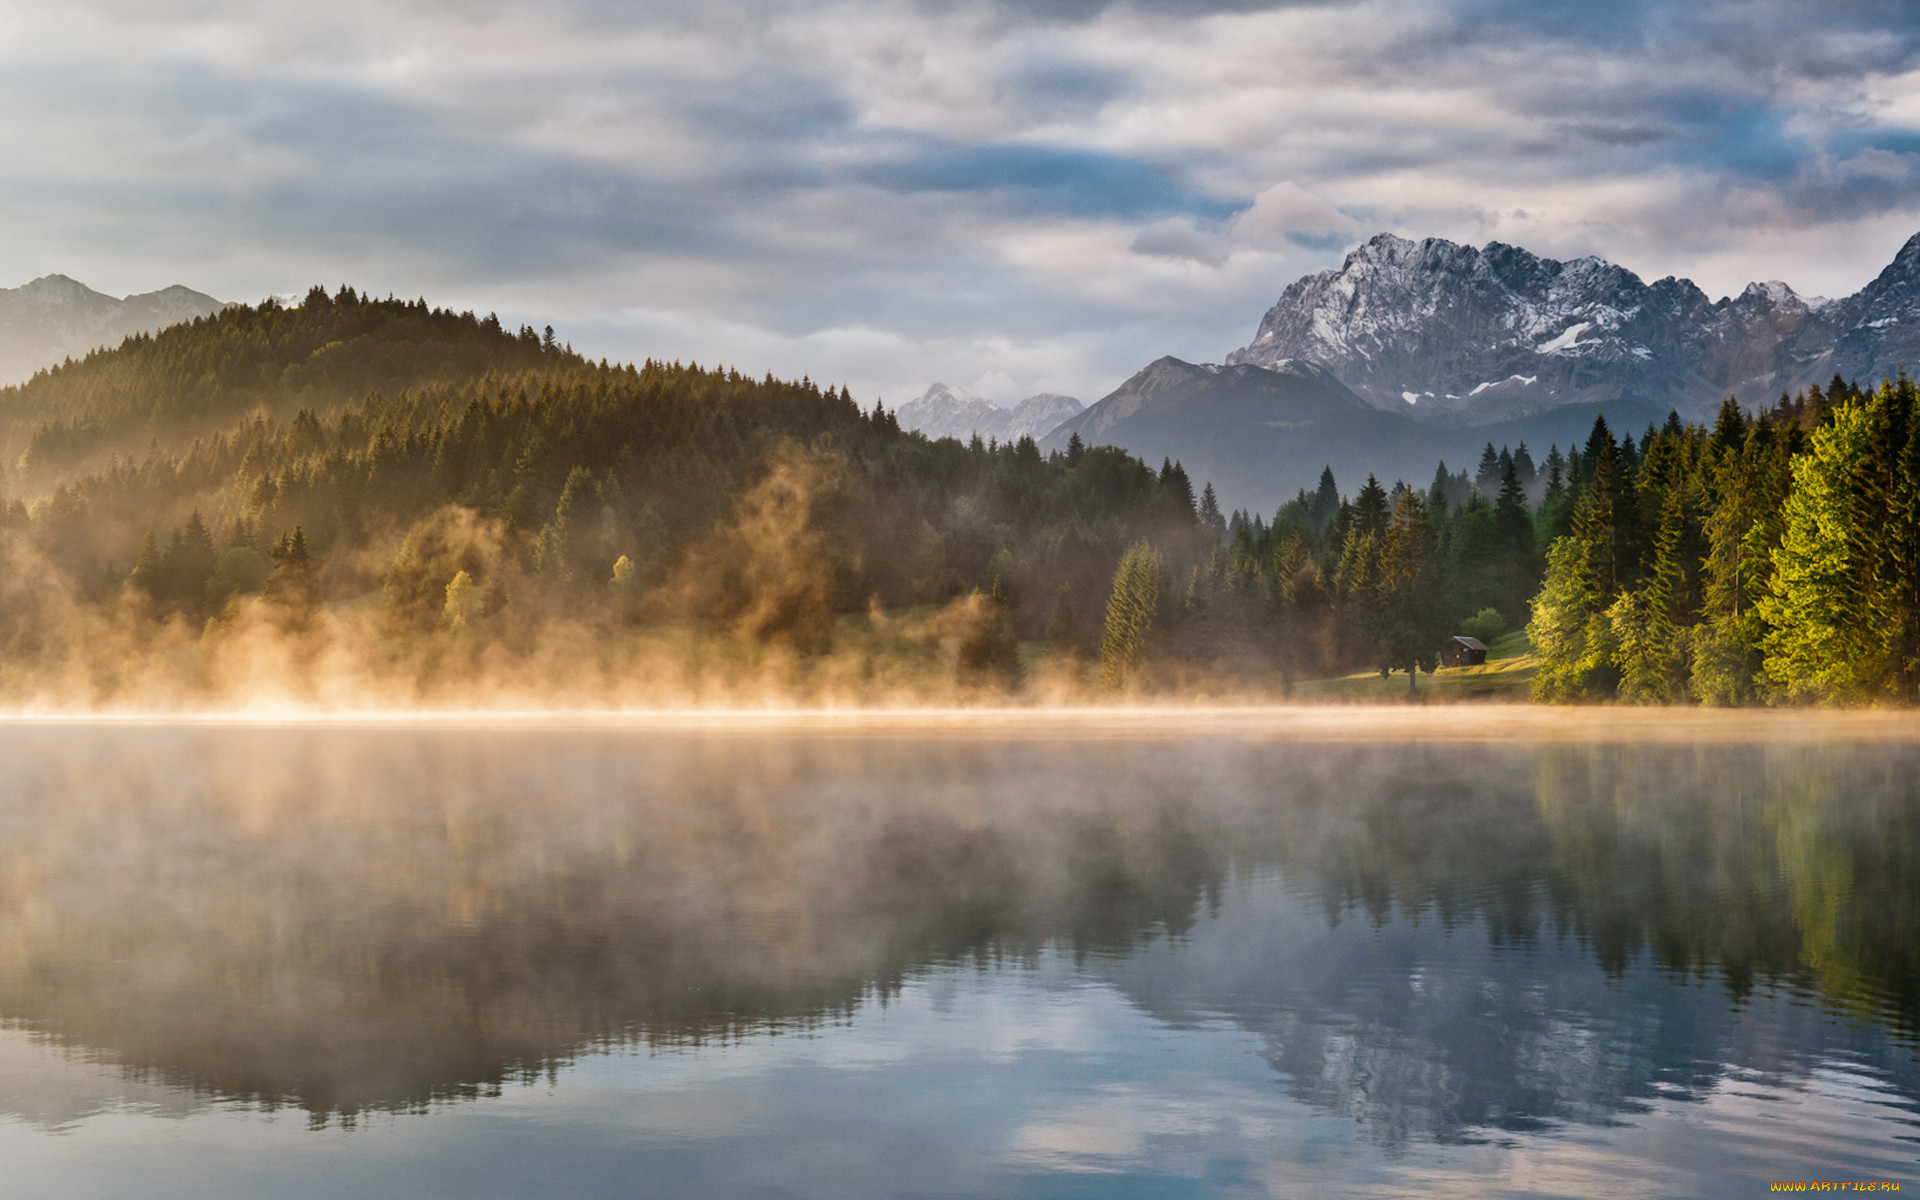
(1773, 558)
(270, 359)
(439, 487)
(1378, 580)
(542, 488)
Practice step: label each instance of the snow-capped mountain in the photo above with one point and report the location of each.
(1447, 332)
(944, 411)
(1039, 415)
(55, 317)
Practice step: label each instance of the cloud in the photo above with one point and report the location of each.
(1285, 212)
(1180, 240)
(883, 192)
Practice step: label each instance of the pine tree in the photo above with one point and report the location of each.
(1651, 626)
(1597, 521)
(1747, 484)
(1370, 508)
(1571, 627)
(557, 547)
(1841, 612)
(1325, 503)
(464, 605)
(1132, 612)
(1176, 490)
(1486, 477)
(1569, 630)
(1513, 524)
(1210, 512)
(1358, 598)
(146, 574)
(1408, 583)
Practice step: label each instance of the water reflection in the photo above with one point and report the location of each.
(1439, 943)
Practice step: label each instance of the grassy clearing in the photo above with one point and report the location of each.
(1506, 677)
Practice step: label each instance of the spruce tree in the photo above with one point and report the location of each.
(1486, 477)
(1841, 611)
(1370, 508)
(1210, 515)
(146, 573)
(1652, 627)
(1132, 612)
(1326, 501)
(1514, 526)
(1411, 616)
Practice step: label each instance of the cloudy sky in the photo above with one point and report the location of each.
(1011, 196)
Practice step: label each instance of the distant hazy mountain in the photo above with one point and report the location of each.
(944, 411)
(1259, 434)
(1449, 333)
(55, 317)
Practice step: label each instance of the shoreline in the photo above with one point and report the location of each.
(1302, 722)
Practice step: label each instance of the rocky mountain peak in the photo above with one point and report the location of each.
(1466, 335)
(959, 412)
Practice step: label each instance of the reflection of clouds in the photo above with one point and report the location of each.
(1420, 1032)
(1169, 1125)
(1137, 1105)
(1406, 943)
(54, 1088)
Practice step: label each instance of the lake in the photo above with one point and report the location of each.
(1264, 954)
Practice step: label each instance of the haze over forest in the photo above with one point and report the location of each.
(1508, 283)
(352, 502)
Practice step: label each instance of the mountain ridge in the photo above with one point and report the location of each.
(943, 411)
(1261, 433)
(1456, 334)
(55, 317)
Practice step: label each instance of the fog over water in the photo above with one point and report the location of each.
(959, 955)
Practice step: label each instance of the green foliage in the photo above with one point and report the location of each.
(1133, 609)
(465, 603)
(352, 449)
(1486, 625)
(1842, 611)
(1570, 630)
(1412, 615)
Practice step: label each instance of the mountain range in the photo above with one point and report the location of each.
(55, 317)
(943, 411)
(1411, 353)
(1406, 354)
(1455, 335)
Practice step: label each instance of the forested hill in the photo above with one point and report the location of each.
(351, 497)
(270, 360)
(351, 503)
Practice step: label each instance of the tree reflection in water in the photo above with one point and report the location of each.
(1437, 939)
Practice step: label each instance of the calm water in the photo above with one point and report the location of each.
(491, 962)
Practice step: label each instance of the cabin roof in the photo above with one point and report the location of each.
(1470, 643)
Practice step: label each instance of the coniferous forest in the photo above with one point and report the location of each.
(353, 501)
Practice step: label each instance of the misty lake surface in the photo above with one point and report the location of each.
(1023, 958)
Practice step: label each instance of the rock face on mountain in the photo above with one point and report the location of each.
(943, 411)
(55, 317)
(1259, 434)
(1449, 333)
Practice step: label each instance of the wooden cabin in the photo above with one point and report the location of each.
(1463, 651)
